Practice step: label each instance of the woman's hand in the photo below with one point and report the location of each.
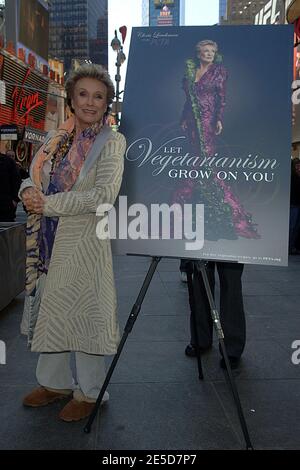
(219, 128)
(34, 200)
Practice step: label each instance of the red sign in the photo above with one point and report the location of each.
(21, 54)
(31, 60)
(10, 48)
(26, 95)
(24, 104)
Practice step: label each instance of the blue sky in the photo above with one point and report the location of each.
(205, 12)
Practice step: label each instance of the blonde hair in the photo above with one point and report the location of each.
(90, 71)
(206, 42)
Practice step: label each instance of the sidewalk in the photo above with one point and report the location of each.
(156, 399)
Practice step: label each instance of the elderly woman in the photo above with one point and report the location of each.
(71, 302)
(202, 120)
(205, 87)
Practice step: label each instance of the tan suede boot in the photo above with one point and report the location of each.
(42, 396)
(79, 408)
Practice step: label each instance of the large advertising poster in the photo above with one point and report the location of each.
(34, 27)
(164, 12)
(207, 118)
(296, 88)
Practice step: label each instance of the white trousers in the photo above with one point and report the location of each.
(54, 371)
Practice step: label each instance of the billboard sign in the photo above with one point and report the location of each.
(209, 140)
(26, 94)
(274, 12)
(33, 136)
(34, 27)
(8, 132)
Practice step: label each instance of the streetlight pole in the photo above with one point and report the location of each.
(117, 80)
(117, 46)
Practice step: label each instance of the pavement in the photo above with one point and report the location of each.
(156, 399)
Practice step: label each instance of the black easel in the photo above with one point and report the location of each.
(199, 265)
(128, 327)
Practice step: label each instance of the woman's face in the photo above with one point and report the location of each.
(206, 53)
(89, 101)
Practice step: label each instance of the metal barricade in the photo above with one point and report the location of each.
(12, 261)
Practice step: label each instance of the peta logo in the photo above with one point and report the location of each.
(296, 354)
(2, 353)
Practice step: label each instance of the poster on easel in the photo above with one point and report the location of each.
(207, 119)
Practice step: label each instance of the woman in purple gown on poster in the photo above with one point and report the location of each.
(202, 120)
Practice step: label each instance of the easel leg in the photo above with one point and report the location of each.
(200, 265)
(129, 325)
(189, 271)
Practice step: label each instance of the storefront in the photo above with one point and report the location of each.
(32, 139)
(25, 97)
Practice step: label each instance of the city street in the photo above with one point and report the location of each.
(156, 400)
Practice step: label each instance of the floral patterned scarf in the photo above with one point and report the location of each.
(66, 155)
